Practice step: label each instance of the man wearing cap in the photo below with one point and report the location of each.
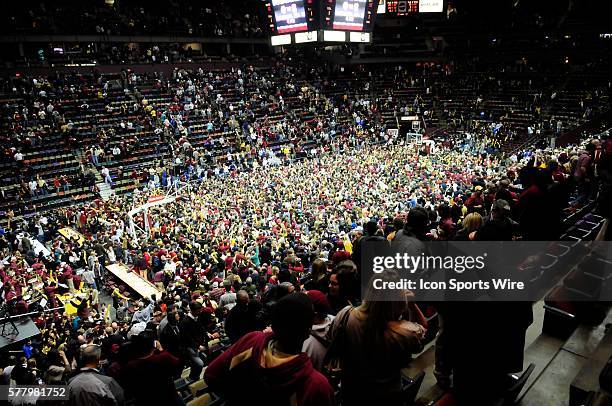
(271, 367)
(143, 313)
(475, 203)
(500, 227)
(216, 292)
(154, 323)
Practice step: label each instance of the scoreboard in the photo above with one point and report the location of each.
(289, 16)
(401, 8)
(349, 15)
(301, 21)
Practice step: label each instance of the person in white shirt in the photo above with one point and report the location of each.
(33, 186)
(110, 254)
(89, 277)
(229, 298)
(170, 266)
(106, 175)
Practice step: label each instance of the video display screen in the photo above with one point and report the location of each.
(349, 15)
(290, 16)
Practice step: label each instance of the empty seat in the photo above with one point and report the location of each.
(203, 400)
(584, 286)
(197, 388)
(560, 313)
(180, 384)
(579, 233)
(598, 268)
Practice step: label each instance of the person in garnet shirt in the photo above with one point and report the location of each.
(271, 367)
(150, 377)
(50, 288)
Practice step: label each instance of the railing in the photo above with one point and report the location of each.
(22, 315)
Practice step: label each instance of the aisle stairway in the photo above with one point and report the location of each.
(105, 190)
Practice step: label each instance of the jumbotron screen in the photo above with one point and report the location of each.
(349, 15)
(290, 16)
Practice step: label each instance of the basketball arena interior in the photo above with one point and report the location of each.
(305, 202)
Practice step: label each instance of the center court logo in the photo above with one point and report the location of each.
(417, 263)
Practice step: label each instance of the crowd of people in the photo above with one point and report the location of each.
(257, 256)
(233, 254)
(248, 122)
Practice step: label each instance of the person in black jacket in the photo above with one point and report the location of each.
(170, 335)
(242, 319)
(372, 233)
(500, 227)
(480, 361)
(265, 253)
(193, 340)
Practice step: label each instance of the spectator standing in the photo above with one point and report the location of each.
(316, 344)
(150, 377)
(271, 367)
(242, 319)
(89, 387)
(381, 327)
(193, 340)
(228, 299)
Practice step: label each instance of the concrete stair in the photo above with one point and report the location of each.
(105, 190)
